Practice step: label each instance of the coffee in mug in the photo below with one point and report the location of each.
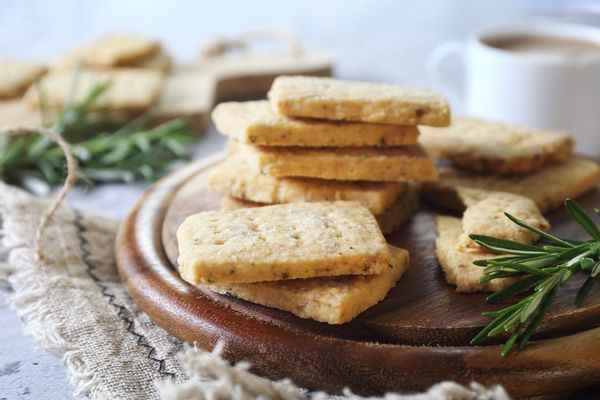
(540, 74)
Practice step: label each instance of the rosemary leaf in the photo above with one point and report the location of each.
(506, 246)
(583, 291)
(514, 289)
(544, 268)
(582, 218)
(130, 152)
(539, 232)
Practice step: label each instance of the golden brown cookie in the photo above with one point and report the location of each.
(548, 187)
(254, 122)
(334, 99)
(334, 300)
(288, 241)
(494, 147)
(236, 178)
(398, 164)
(458, 265)
(17, 75)
(129, 90)
(486, 217)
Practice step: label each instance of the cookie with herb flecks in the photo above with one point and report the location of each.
(334, 99)
(254, 122)
(395, 164)
(287, 241)
(493, 147)
(335, 300)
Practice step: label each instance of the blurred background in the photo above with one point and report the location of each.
(383, 40)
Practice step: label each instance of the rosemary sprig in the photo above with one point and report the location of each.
(105, 152)
(544, 268)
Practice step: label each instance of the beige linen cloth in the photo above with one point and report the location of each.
(74, 306)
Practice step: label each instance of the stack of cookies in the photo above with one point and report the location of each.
(492, 156)
(322, 139)
(324, 260)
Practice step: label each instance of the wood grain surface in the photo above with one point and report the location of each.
(414, 338)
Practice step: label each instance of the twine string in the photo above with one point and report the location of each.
(67, 185)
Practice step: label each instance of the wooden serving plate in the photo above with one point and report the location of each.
(417, 336)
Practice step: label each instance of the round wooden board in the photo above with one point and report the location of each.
(417, 336)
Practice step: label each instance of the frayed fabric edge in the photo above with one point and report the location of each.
(213, 378)
(27, 300)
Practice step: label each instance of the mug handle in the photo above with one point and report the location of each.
(435, 63)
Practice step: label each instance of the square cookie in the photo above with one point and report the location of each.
(236, 177)
(334, 99)
(129, 89)
(397, 164)
(334, 300)
(388, 219)
(254, 122)
(288, 241)
(113, 50)
(548, 187)
(494, 147)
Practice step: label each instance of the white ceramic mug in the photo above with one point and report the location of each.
(547, 90)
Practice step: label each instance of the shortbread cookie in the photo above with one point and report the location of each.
(288, 241)
(334, 300)
(494, 147)
(116, 49)
(17, 75)
(254, 122)
(389, 219)
(400, 164)
(548, 187)
(486, 217)
(128, 89)
(329, 98)
(236, 178)
(458, 265)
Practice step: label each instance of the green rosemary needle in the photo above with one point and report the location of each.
(105, 152)
(543, 269)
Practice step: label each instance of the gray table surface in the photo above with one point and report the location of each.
(382, 40)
